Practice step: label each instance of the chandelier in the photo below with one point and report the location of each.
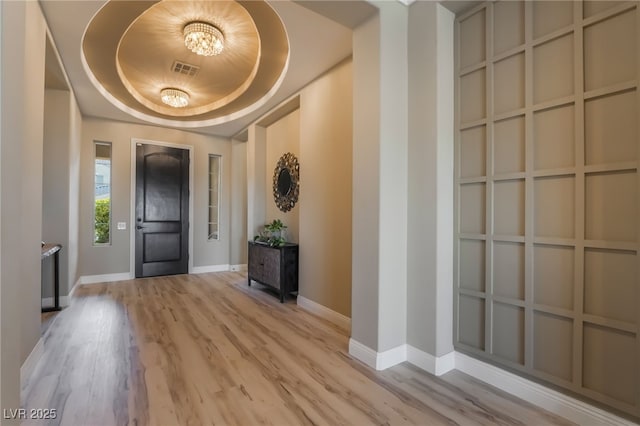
(203, 39)
(174, 97)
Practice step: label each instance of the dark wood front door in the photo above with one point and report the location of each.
(162, 210)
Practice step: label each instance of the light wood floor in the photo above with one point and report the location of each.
(206, 349)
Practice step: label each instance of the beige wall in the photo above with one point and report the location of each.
(115, 258)
(326, 117)
(21, 190)
(282, 136)
(55, 184)
(238, 246)
(75, 145)
(319, 133)
(430, 212)
(380, 158)
(365, 199)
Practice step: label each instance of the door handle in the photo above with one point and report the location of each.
(140, 227)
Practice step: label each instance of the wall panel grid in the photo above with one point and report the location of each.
(547, 203)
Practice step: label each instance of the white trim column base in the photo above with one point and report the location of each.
(429, 363)
(383, 360)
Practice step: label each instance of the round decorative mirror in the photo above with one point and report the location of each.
(285, 182)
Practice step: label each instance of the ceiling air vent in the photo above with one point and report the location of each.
(186, 69)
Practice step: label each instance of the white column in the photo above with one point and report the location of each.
(380, 132)
(431, 154)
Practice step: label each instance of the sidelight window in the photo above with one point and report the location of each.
(214, 196)
(102, 194)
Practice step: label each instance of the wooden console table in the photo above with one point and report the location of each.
(47, 251)
(276, 267)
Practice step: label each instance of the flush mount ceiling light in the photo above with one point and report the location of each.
(174, 97)
(203, 39)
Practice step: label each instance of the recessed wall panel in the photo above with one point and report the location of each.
(553, 275)
(611, 206)
(552, 345)
(472, 208)
(473, 152)
(549, 16)
(508, 270)
(611, 130)
(554, 138)
(553, 69)
(508, 84)
(554, 207)
(508, 332)
(473, 96)
(610, 51)
(472, 39)
(591, 8)
(472, 265)
(610, 362)
(471, 321)
(508, 28)
(611, 284)
(508, 146)
(509, 207)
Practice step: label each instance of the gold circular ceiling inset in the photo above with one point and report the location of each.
(133, 50)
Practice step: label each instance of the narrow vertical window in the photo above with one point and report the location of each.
(214, 197)
(102, 194)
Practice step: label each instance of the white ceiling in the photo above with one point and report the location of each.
(316, 44)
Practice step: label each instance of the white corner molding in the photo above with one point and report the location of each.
(210, 268)
(377, 360)
(391, 357)
(106, 278)
(238, 268)
(431, 364)
(29, 365)
(383, 360)
(363, 353)
(338, 319)
(407, 2)
(565, 406)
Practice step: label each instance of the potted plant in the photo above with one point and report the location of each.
(273, 234)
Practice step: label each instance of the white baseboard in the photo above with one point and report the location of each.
(383, 360)
(48, 301)
(363, 353)
(565, 406)
(560, 404)
(106, 278)
(238, 268)
(338, 319)
(377, 360)
(29, 365)
(391, 357)
(431, 364)
(209, 268)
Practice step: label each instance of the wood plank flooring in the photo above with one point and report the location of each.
(207, 349)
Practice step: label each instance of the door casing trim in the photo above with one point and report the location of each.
(132, 219)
